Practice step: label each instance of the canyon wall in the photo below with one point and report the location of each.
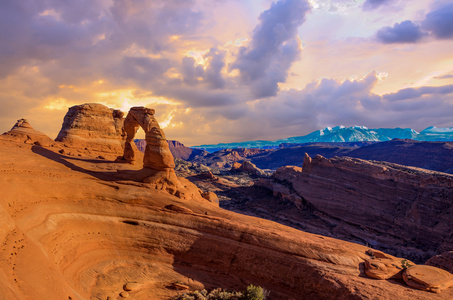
(403, 210)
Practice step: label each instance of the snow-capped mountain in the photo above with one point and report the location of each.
(344, 134)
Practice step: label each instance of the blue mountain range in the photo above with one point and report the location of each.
(343, 134)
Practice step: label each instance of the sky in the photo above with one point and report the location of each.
(230, 70)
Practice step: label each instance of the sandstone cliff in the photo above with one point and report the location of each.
(402, 210)
(93, 127)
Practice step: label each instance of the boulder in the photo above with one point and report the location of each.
(428, 278)
(93, 126)
(23, 132)
(384, 268)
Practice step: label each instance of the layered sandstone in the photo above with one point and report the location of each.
(94, 127)
(157, 153)
(248, 167)
(443, 261)
(75, 229)
(23, 132)
(403, 210)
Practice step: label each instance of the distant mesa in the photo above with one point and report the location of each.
(23, 132)
(93, 126)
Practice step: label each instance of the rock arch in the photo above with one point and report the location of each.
(157, 153)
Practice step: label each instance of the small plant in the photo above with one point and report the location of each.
(254, 293)
(405, 264)
(251, 293)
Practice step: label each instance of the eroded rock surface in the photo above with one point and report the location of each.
(157, 153)
(428, 278)
(158, 162)
(248, 167)
(23, 132)
(78, 230)
(93, 126)
(403, 210)
(443, 261)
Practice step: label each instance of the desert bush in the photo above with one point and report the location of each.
(254, 293)
(251, 293)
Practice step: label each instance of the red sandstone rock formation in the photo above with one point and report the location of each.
(224, 159)
(93, 127)
(402, 210)
(157, 153)
(73, 229)
(443, 261)
(158, 162)
(24, 133)
(428, 278)
(247, 167)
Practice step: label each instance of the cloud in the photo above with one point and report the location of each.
(374, 4)
(215, 60)
(440, 22)
(327, 102)
(415, 93)
(404, 32)
(273, 47)
(448, 76)
(191, 71)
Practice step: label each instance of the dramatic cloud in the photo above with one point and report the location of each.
(440, 22)
(273, 48)
(414, 93)
(329, 102)
(404, 32)
(373, 4)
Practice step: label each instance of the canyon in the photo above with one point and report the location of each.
(81, 219)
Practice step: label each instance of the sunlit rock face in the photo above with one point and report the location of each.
(23, 132)
(157, 152)
(93, 126)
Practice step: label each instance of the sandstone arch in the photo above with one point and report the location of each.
(157, 153)
(158, 163)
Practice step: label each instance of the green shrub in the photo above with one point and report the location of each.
(251, 293)
(254, 293)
